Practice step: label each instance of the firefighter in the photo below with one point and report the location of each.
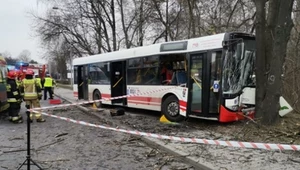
(48, 85)
(13, 98)
(38, 79)
(31, 92)
(19, 77)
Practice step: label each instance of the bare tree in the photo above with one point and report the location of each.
(291, 86)
(8, 57)
(272, 37)
(25, 56)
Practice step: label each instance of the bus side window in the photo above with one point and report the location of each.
(134, 74)
(166, 73)
(99, 73)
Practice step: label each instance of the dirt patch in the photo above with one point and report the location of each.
(287, 131)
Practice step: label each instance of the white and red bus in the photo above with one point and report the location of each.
(210, 77)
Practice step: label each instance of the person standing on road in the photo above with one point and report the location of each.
(13, 97)
(48, 85)
(38, 79)
(19, 77)
(31, 92)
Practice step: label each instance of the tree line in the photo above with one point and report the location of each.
(24, 56)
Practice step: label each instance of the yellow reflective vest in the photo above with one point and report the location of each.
(30, 89)
(48, 82)
(39, 81)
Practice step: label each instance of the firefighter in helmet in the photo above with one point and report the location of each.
(19, 77)
(31, 92)
(38, 79)
(14, 97)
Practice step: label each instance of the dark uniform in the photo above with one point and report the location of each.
(13, 98)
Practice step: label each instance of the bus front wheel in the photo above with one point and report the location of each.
(97, 96)
(170, 108)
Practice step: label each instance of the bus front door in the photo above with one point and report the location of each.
(82, 79)
(215, 58)
(118, 82)
(195, 84)
(204, 84)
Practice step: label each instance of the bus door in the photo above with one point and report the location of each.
(118, 82)
(215, 58)
(83, 79)
(198, 85)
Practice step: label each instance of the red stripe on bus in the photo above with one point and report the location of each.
(145, 99)
(105, 95)
(182, 103)
(143, 103)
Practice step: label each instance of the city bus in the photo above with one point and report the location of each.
(210, 77)
(4, 105)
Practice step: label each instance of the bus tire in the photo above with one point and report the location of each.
(171, 109)
(97, 96)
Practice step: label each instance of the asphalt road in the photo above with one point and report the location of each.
(57, 144)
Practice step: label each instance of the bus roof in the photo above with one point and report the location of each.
(195, 44)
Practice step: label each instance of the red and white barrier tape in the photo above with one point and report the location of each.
(104, 99)
(266, 146)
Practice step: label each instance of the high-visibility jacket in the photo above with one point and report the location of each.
(49, 82)
(18, 81)
(30, 89)
(39, 81)
(13, 93)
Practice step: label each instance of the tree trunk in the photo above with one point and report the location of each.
(114, 33)
(141, 24)
(272, 37)
(167, 21)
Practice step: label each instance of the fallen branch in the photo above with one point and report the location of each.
(151, 154)
(7, 147)
(16, 138)
(59, 135)
(162, 165)
(293, 160)
(57, 160)
(59, 140)
(18, 150)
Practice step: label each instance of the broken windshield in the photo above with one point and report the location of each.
(238, 67)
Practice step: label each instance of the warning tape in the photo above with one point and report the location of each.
(104, 99)
(252, 145)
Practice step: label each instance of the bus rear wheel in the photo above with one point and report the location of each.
(170, 108)
(97, 96)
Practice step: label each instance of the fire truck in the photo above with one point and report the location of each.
(38, 69)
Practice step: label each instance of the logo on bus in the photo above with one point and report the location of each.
(132, 91)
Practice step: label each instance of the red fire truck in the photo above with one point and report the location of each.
(38, 69)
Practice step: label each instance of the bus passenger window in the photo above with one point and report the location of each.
(166, 73)
(99, 74)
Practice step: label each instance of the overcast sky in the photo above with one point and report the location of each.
(15, 28)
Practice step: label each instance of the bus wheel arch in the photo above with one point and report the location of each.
(97, 96)
(170, 108)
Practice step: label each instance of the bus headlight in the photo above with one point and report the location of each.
(235, 108)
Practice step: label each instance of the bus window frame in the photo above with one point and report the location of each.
(141, 67)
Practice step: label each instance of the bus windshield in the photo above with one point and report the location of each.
(238, 67)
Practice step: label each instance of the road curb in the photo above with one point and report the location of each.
(149, 142)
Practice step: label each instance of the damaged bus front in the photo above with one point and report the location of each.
(238, 78)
